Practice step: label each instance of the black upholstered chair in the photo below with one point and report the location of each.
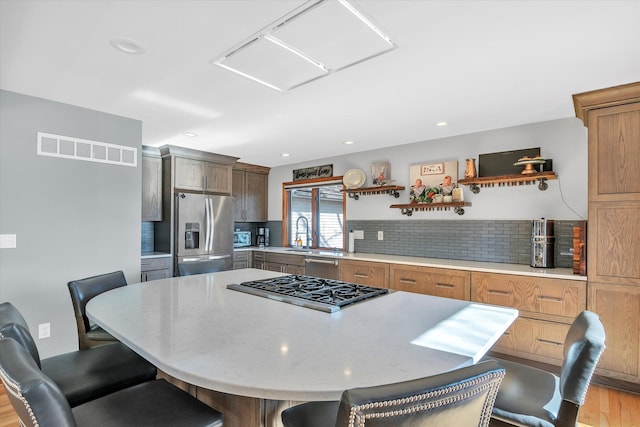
(533, 397)
(463, 397)
(82, 290)
(200, 267)
(81, 375)
(38, 400)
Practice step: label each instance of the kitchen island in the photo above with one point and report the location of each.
(250, 356)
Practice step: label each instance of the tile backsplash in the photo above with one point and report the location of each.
(503, 241)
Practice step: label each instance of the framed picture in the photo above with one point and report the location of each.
(429, 179)
(381, 173)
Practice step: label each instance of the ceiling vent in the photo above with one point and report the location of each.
(320, 38)
(83, 149)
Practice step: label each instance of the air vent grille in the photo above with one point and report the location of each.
(82, 149)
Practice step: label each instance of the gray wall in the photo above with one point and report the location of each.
(72, 218)
(564, 141)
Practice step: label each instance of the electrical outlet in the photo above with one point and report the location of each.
(44, 330)
(380, 235)
(358, 234)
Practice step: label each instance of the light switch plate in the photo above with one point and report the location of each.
(380, 235)
(8, 241)
(44, 330)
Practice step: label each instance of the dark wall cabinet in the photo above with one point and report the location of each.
(151, 185)
(250, 189)
(199, 175)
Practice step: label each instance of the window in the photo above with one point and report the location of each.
(313, 213)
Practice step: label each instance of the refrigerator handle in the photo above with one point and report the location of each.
(207, 225)
(212, 221)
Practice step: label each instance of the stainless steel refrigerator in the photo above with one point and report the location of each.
(204, 228)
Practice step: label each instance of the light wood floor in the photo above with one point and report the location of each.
(603, 407)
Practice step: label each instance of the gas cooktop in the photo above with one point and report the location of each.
(312, 292)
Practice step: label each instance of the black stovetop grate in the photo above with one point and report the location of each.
(313, 292)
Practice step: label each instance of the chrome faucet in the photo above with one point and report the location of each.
(306, 221)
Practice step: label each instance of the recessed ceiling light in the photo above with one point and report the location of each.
(190, 134)
(128, 46)
(348, 142)
(285, 154)
(440, 124)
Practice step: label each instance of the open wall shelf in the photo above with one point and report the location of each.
(509, 181)
(409, 208)
(355, 193)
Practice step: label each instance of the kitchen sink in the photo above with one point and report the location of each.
(301, 251)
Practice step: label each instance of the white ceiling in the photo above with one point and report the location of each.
(477, 65)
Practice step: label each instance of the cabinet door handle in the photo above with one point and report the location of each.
(557, 344)
(552, 299)
(444, 285)
(402, 280)
(360, 275)
(496, 292)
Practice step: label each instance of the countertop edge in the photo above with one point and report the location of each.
(477, 266)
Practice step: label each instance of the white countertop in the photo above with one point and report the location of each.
(488, 267)
(197, 330)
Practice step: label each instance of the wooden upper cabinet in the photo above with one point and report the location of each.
(188, 174)
(250, 189)
(217, 178)
(614, 153)
(612, 116)
(199, 170)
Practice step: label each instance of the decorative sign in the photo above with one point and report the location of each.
(313, 172)
(432, 169)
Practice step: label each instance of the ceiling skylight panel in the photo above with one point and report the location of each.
(333, 35)
(323, 37)
(271, 64)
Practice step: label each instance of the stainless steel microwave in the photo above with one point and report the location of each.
(241, 238)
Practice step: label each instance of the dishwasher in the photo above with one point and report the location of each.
(326, 268)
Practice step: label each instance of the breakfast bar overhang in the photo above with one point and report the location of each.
(227, 344)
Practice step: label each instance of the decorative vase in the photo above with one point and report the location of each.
(470, 172)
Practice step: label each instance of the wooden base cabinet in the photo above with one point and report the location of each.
(241, 259)
(365, 273)
(156, 268)
(547, 309)
(284, 263)
(440, 282)
(619, 309)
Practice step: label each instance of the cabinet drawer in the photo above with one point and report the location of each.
(259, 256)
(365, 273)
(285, 259)
(534, 339)
(431, 281)
(240, 256)
(564, 299)
(156, 274)
(148, 264)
